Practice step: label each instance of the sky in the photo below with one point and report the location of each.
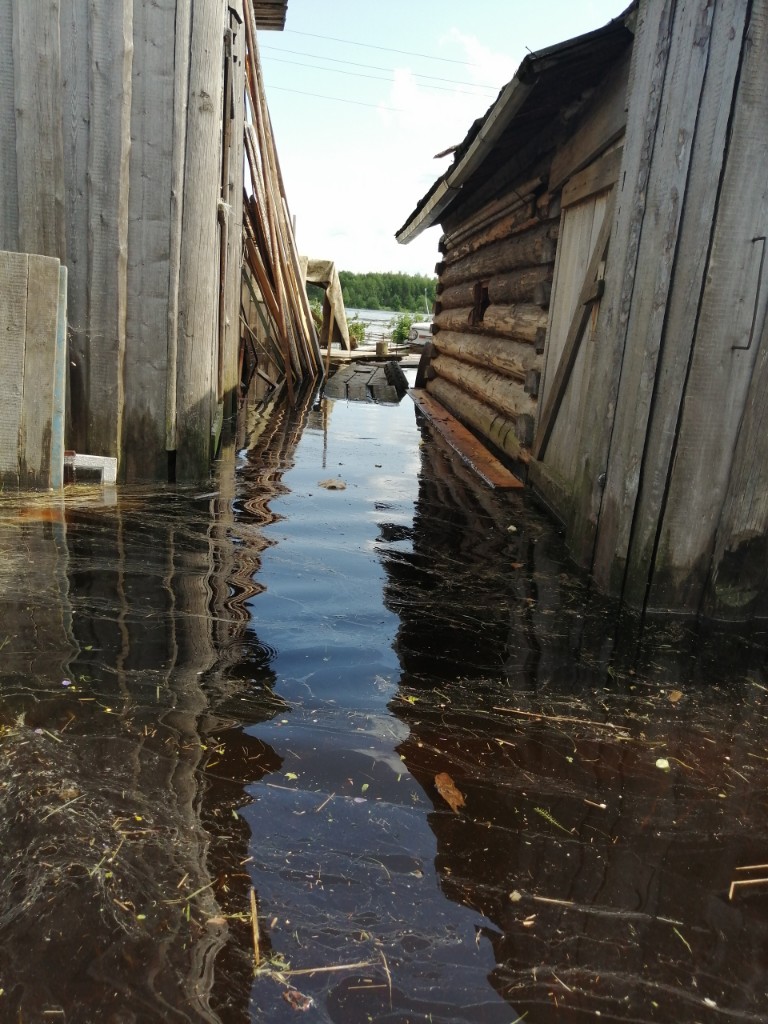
(364, 93)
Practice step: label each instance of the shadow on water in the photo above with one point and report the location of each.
(255, 688)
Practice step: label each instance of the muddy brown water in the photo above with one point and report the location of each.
(240, 696)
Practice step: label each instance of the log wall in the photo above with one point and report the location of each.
(491, 314)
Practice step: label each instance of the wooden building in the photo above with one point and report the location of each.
(122, 139)
(601, 310)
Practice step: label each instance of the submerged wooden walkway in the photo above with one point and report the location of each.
(365, 382)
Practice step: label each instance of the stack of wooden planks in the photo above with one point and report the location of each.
(286, 343)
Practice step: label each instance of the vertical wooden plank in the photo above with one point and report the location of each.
(59, 386)
(182, 45)
(108, 155)
(735, 297)
(197, 285)
(653, 32)
(708, 147)
(234, 200)
(39, 149)
(75, 103)
(39, 363)
(9, 197)
(14, 271)
(739, 581)
(149, 233)
(647, 304)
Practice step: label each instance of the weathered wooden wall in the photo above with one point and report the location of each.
(655, 460)
(122, 156)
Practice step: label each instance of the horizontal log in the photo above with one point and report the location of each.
(503, 393)
(520, 321)
(524, 195)
(532, 284)
(456, 296)
(509, 358)
(527, 249)
(489, 423)
(523, 219)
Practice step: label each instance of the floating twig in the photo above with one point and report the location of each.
(328, 970)
(562, 718)
(255, 929)
(740, 883)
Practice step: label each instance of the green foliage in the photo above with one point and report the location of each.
(356, 331)
(316, 309)
(401, 326)
(399, 292)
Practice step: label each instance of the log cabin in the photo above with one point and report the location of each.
(601, 309)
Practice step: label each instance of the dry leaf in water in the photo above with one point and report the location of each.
(333, 484)
(297, 1000)
(675, 695)
(446, 787)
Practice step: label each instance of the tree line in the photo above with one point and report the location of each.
(386, 290)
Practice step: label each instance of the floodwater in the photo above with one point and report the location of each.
(389, 723)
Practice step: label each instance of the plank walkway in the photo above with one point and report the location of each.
(365, 382)
(465, 444)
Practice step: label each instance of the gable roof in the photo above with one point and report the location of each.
(542, 85)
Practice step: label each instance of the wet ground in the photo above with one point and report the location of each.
(388, 723)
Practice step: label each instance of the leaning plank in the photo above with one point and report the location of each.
(590, 292)
(465, 444)
(14, 271)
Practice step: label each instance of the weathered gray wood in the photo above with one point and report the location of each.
(197, 285)
(739, 579)
(149, 241)
(721, 368)
(108, 190)
(9, 196)
(715, 421)
(75, 90)
(587, 296)
(520, 321)
(528, 249)
(59, 386)
(183, 42)
(14, 273)
(603, 369)
(39, 147)
(487, 421)
(502, 392)
(645, 306)
(233, 197)
(510, 358)
(600, 124)
(596, 177)
(40, 333)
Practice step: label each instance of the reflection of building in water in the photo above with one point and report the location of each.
(129, 669)
(602, 878)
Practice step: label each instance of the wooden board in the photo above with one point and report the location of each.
(149, 231)
(9, 197)
(40, 336)
(14, 272)
(465, 444)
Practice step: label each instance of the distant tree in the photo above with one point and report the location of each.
(385, 290)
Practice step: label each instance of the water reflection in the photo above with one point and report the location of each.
(612, 783)
(130, 665)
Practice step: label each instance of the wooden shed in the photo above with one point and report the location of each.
(601, 309)
(122, 130)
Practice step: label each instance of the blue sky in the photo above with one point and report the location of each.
(363, 94)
